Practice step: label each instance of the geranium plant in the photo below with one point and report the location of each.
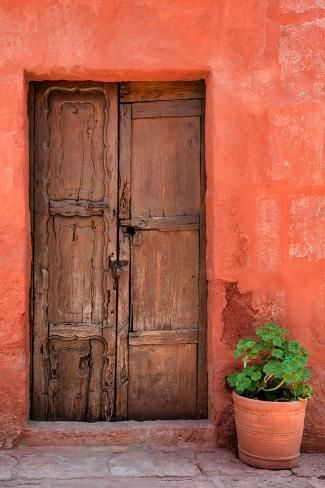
(274, 368)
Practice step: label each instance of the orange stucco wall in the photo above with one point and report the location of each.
(265, 199)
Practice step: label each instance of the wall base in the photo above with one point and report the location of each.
(186, 433)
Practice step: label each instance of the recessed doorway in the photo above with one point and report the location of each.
(118, 299)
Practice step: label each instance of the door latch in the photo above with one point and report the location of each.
(117, 267)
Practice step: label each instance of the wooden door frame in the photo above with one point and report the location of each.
(202, 376)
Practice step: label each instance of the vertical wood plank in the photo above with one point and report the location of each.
(202, 400)
(110, 236)
(124, 254)
(40, 259)
(31, 139)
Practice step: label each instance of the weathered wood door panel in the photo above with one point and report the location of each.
(118, 279)
(161, 369)
(75, 195)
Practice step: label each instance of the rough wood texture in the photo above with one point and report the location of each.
(182, 336)
(76, 251)
(165, 167)
(162, 382)
(92, 212)
(75, 235)
(110, 254)
(164, 224)
(75, 383)
(75, 330)
(82, 208)
(202, 399)
(138, 91)
(40, 263)
(167, 329)
(171, 108)
(123, 322)
(165, 273)
(77, 120)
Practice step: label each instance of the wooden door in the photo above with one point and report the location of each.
(74, 298)
(118, 307)
(161, 358)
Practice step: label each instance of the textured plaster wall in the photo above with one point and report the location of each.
(264, 158)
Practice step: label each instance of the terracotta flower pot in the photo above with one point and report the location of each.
(269, 433)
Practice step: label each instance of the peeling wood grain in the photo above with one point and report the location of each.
(140, 91)
(162, 381)
(202, 398)
(163, 224)
(75, 235)
(123, 323)
(180, 336)
(171, 108)
(167, 322)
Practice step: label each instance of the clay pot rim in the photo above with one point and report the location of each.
(267, 402)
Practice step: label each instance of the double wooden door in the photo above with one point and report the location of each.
(118, 285)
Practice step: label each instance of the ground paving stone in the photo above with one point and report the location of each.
(257, 481)
(8, 465)
(151, 462)
(316, 482)
(114, 482)
(92, 467)
(311, 465)
(67, 466)
(223, 463)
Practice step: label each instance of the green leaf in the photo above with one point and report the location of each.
(256, 375)
(270, 331)
(274, 368)
(291, 377)
(277, 341)
(293, 346)
(293, 363)
(305, 374)
(253, 372)
(232, 378)
(243, 383)
(243, 347)
(277, 353)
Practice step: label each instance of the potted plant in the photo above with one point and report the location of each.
(270, 396)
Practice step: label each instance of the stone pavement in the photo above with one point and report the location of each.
(145, 467)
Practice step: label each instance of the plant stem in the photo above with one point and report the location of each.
(275, 388)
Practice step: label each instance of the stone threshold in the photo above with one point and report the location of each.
(162, 433)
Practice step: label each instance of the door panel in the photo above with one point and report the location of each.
(161, 222)
(76, 256)
(75, 384)
(164, 270)
(75, 238)
(165, 169)
(162, 381)
(77, 125)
